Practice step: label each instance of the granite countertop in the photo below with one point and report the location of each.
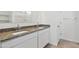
(7, 35)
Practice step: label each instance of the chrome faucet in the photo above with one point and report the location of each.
(18, 27)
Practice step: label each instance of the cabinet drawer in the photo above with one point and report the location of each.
(31, 43)
(16, 41)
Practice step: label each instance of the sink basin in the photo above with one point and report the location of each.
(41, 27)
(21, 32)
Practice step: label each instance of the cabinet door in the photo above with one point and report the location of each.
(19, 40)
(43, 38)
(30, 43)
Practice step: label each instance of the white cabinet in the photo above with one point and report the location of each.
(43, 38)
(30, 43)
(27, 41)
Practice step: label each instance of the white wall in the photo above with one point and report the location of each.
(42, 17)
(38, 17)
(77, 25)
(35, 16)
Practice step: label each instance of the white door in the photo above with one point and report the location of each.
(69, 26)
(54, 18)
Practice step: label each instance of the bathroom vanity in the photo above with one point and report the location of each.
(27, 37)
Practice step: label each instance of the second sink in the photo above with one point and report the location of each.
(21, 32)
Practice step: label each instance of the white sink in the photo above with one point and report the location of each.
(21, 32)
(41, 27)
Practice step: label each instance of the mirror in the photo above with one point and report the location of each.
(15, 16)
(5, 16)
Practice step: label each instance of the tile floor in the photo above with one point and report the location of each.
(64, 44)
